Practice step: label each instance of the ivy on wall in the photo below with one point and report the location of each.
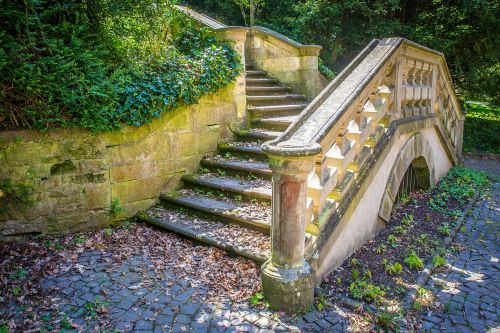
(98, 64)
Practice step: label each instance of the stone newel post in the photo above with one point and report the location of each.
(237, 36)
(287, 279)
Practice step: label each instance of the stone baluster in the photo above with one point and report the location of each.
(287, 278)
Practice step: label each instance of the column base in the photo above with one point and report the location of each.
(288, 289)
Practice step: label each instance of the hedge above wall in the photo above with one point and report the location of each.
(99, 64)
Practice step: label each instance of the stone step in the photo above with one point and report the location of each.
(232, 238)
(266, 90)
(249, 188)
(274, 123)
(252, 216)
(257, 135)
(277, 99)
(233, 166)
(261, 81)
(254, 73)
(243, 149)
(269, 111)
(284, 97)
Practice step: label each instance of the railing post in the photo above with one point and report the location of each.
(287, 278)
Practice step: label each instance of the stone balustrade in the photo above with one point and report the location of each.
(338, 136)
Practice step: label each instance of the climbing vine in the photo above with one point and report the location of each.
(98, 64)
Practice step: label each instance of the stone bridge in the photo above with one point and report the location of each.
(389, 122)
(296, 172)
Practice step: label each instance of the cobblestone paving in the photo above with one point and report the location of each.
(470, 290)
(104, 296)
(142, 303)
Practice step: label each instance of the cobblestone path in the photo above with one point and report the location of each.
(136, 304)
(103, 296)
(470, 290)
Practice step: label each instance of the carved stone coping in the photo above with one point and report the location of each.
(285, 42)
(319, 118)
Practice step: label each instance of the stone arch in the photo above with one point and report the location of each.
(417, 152)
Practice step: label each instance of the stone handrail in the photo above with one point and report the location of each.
(389, 80)
(319, 162)
(208, 21)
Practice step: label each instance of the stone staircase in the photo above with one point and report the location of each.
(227, 203)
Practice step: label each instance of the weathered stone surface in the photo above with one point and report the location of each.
(75, 175)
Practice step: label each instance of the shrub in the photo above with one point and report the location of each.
(413, 261)
(98, 64)
(438, 261)
(481, 128)
(394, 269)
(361, 289)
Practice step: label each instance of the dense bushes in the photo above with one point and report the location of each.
(465, 31)
(100, 63)
(482, 128)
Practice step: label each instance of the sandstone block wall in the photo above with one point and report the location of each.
(75, 175)
(286, 60)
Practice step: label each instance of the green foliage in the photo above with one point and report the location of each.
(115, 207)
(417, 305)
(407, 219)
(362, 289)
(19, 274)
(438, 261)
(422, 239)
(92, 309)
(444, 229)
(79, 239)
(481, 128)
(465, 31)
(14, 196)
(65, 322)
(388, 321)
(258, 299)
(327, 72)
(320, 305)
(98, 64)
(392, 240)
(413, 261)
(394, 269)
(381, 248)
(460, 184)
(16, 291)
(400, 230)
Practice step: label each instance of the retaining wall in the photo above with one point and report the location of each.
(75, 175)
